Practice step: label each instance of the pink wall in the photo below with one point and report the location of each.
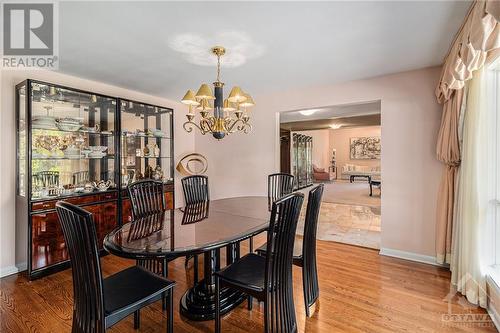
(340, 140)
(240, 163)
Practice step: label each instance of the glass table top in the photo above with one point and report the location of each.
(192, 229)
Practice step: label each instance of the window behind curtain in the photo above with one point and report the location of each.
(494, 107)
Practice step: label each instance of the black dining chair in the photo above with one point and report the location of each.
(278, 185)
(196, 192)
(195, 189)
(100, 303)
(304, 252)
(269, 279)
(147, 197)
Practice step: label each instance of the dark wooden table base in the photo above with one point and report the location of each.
(198, 302)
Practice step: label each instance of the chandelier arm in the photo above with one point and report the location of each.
(247, 128)
(240, 125)
(207, 124)
(188, 127)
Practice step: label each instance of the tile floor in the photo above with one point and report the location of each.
(347, 223)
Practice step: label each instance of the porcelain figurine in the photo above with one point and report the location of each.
(157, 173)
(156, 151)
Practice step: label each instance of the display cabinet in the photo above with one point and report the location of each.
(302, 160)
(82, 147)
(146, 133)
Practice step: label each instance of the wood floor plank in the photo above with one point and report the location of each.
(360, 291)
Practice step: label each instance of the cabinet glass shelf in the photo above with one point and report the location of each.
(48, 131)
(73, 159)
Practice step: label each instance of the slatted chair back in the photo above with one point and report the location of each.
(310, 272)
(195, 212)
(48, 178)
(280, 310)
(147, 197)
(80, 235)
(80, 177)
(195, 189)
(278, 185)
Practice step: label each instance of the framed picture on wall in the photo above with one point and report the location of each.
(365, 148)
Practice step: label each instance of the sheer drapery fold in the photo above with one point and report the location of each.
(471, 249)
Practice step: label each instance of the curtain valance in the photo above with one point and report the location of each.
(479, 36)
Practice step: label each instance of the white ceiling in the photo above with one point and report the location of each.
(331, 112)
(272, 46)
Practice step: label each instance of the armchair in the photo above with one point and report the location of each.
(320, 175)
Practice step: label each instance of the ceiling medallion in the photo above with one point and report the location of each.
(230, 115)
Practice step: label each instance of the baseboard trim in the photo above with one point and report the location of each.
(10, 270)
(410, 256)
(495, 317)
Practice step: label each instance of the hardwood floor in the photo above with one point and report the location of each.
(360, 291)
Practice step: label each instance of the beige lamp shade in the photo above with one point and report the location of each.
(189, 98)
(205, 92)
(236, 95)
(248, 101)
(205, 105)
(228, 106)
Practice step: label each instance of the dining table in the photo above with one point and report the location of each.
(204, 229)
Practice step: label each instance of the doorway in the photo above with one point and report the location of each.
(345, 145)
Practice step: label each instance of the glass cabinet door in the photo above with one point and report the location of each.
(72, 141)
(22, 161)
(146, 142)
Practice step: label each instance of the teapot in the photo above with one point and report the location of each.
(102, 185)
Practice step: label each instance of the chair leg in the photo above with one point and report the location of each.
(137, 319)
(170, 314)
(250, 300)
(217, 305)
(165, 275)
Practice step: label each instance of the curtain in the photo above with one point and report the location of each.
(477, 42)
(479, 36)
(448, 152)
(471, 250)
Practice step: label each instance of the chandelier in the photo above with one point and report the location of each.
(229, 115)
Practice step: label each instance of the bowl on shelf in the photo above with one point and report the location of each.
(44, 122)
(96, 154)
(69, 127)
(100, 149)
(71, 120)
(88, 129)
(157, 133)
(86, 152)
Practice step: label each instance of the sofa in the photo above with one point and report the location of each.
(350, 171)
(320, 175)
